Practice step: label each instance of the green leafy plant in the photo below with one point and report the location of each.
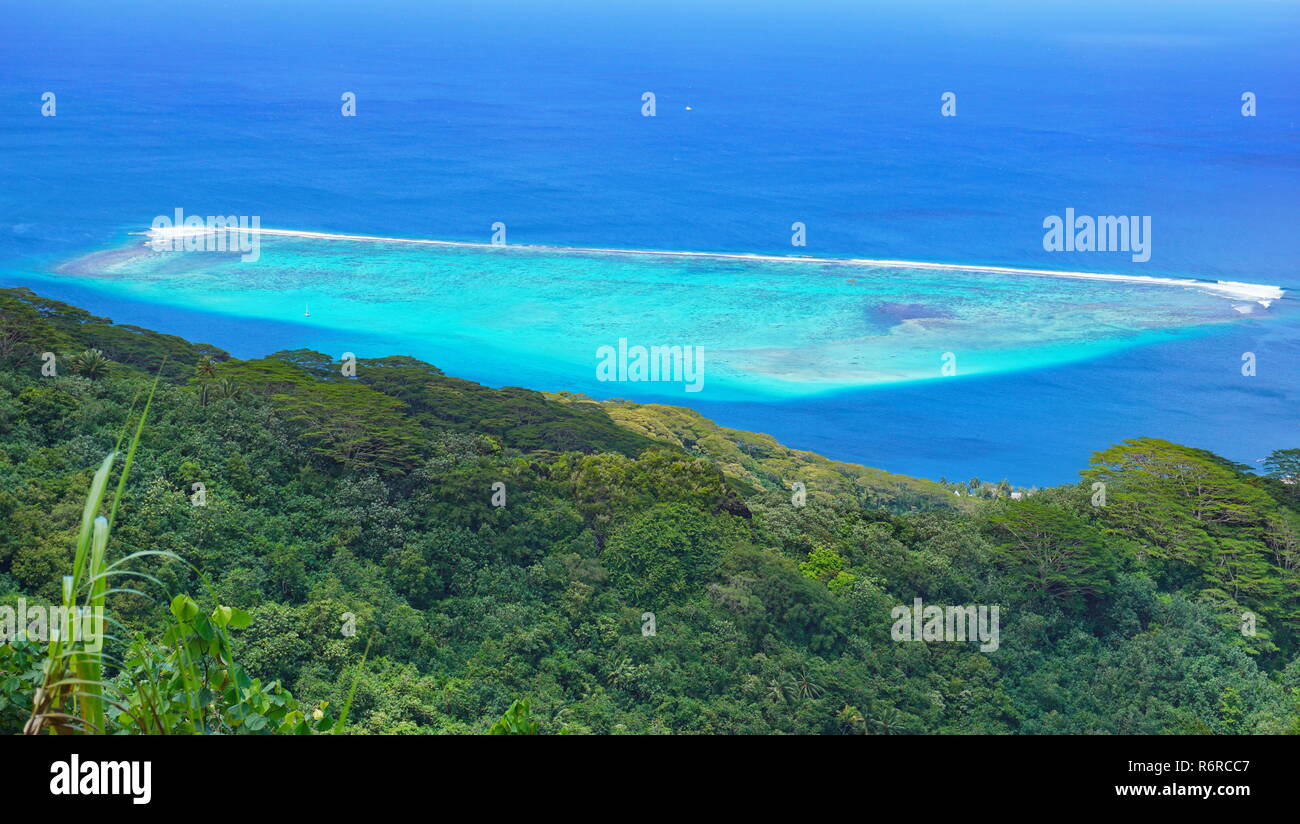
(71, 694)
(189, 683)
(91, 363)
(518, 720)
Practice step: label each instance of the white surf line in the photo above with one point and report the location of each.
(1262, 293)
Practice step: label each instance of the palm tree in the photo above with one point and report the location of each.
(204, 370)
(889, 721)
(89, 364)
(852, 719)
(780, 688)
(804, 686)
(623, 673)
(229, 388)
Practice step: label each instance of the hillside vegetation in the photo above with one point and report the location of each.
(471, 559)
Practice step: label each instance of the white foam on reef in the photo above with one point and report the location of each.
(1262, 294)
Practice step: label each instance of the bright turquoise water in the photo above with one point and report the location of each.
(768, 329)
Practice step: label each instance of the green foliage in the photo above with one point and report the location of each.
(666, 553)
(1202, 523)
(518, 720)
(519, 418)
(826, 565)
(353, 426)
(21, 672)
(1283, 464)
(755, 461)
(190, 684)
(352, 520)
(1052, 551)
(30, 324)
(89, 364)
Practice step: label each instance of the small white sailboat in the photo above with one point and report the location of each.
(306, 311)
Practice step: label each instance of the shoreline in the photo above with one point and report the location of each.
(1263, 294)
(787, 418)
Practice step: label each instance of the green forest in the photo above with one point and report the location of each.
(299, 545)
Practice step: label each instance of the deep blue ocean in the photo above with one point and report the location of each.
(767, 113)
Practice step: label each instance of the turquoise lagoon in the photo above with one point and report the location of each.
(769, 328)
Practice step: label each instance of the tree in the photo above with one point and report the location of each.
(1284, 464)
(850, 718)
(21, 328)
(1195, 512)
(89, 364)
(1052, 550)
(353, 425)
(826, 565)
(205, 371)
(661, 555)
